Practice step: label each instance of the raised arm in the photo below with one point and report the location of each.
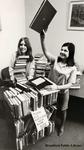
(46, 53)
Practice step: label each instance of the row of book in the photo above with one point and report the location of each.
(22, 101)
(34, 136)
(24, 125)
(27, 124)
(21, 78)
(26, 132)
(49, 99)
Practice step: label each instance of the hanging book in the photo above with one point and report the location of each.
(43, 17)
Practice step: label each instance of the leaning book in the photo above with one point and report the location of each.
(43, 17)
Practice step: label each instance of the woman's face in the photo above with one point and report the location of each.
(64, 53)
(23, 47)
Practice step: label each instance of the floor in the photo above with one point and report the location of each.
(73, 138)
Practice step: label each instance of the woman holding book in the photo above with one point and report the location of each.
(63, 73)
(22, 59)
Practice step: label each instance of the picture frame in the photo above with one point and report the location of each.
(76, 15)
(0, 24)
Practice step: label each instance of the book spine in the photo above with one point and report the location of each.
(26, 137)
(40, 134)
(18, 108)
(9, 102)
(21, 86)
(40, 100)
(19, 126)
(35, 99)
(20, 142)
(25, 104)
(13, 91)
(54, 97)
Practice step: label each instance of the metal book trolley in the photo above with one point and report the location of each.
(31, 107)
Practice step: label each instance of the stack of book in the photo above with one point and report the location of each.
(42, 66)
(20, 69)
(24, 128)
(37, 135)
(18, 105)
(38, 56)
(33, 136)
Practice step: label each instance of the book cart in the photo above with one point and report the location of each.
(31, 109)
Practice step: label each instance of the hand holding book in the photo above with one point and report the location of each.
(42, 35)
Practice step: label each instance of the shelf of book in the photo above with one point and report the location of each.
(24, 101)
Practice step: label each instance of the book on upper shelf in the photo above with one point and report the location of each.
(43, 17)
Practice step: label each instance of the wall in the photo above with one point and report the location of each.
(12, 17)
(57, 32)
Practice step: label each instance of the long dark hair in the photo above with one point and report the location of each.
(29, 48)
(70, 60)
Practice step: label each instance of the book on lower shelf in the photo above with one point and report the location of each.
(43, 17)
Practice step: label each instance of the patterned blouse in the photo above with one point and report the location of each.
(61, 73)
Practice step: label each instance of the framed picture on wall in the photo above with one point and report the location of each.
(76, 15)
(0, 24)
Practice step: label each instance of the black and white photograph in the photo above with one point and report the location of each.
(41, 74)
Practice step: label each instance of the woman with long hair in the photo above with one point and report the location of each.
(63, 73)
(23, 49)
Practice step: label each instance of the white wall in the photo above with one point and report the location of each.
(57, 32)
(12, 14)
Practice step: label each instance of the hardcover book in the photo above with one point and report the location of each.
(43, 17)
(40, 82)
